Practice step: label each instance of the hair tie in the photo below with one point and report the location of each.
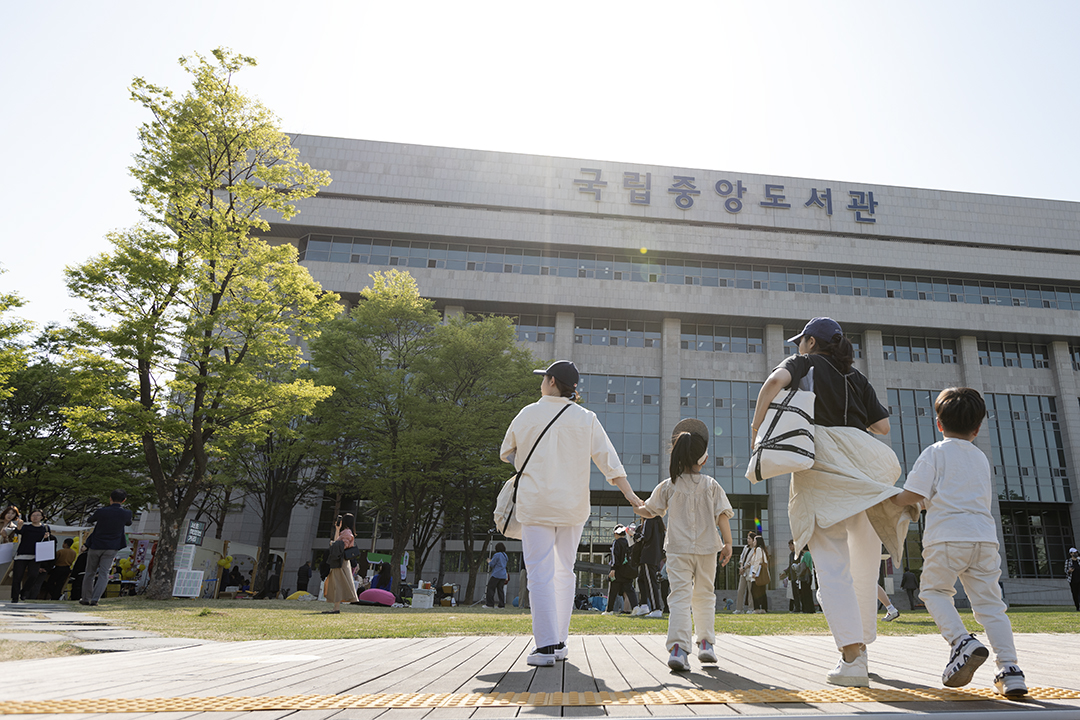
(703, 458)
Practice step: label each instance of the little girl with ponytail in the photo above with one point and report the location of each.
(696, 505)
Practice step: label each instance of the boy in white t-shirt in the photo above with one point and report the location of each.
(952, 477)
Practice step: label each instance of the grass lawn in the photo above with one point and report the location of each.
(288, 620)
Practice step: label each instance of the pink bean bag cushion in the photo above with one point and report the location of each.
(377, 597)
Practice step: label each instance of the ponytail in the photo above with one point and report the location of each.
(687, 449)
(565, 390)
(840, 350)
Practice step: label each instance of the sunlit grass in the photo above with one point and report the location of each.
(292, 620)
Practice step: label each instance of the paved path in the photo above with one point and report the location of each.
(297, 670)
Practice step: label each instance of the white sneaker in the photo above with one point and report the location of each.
(706, 654)
(891, 615)
(1010, 682)
(640, 610)
(852, 674)
(736, 612)
(539, 659)
(656, 615)
(967, 655)
(607, 612)
(561, 651)
(678, 659)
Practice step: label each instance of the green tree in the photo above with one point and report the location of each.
(424, 406)
(42, 465)
(190, 309)
(12, 353)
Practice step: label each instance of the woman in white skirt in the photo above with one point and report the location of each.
(838, 507)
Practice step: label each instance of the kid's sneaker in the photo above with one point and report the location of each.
(706, 654)
(678, 659)
(967, 655)
(891, 615)
(1010, 682)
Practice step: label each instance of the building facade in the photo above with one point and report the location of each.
(673, 290)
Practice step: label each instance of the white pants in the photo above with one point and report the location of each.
(692, 579)
(978, 566)
(549, 554)
(847, 556)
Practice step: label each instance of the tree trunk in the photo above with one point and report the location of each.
(474, 566)
(160, 586)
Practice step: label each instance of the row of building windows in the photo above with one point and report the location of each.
(722, 338)
(1022, 355)
(626, 267)
(901, 348)
(613, 333)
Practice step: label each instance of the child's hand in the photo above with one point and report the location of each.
(725, 556)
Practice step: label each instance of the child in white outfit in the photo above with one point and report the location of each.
(697, 504)
(952, 477)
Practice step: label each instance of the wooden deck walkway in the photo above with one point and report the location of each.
(497, 664)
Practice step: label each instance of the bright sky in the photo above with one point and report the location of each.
(979, 96)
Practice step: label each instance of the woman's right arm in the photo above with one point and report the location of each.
(777, 381)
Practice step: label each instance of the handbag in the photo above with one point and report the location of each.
(45, 550)
(351, 553)
(505, 514)
(763, 577)
(785, 440)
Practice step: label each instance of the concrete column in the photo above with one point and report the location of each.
(670, 382)
(452, 311)
(774, 345)
(971, 374)
(874, 356)
(564, 336)
(1068, 414)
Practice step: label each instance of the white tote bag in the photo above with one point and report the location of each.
(785, 440)
(44, 551)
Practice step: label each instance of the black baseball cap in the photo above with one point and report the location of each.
(562, 370)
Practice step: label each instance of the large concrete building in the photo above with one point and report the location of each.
(673, 290)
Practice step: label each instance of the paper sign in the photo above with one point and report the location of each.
(7, 553)
(45, 551)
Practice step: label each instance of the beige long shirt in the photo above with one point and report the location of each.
(692, 504)
(554, 489)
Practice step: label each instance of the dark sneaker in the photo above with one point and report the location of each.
(967, 655)
(1010, 682)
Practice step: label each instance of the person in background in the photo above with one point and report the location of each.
(909, 584)
(1072, 572)
(7, 523)
(523, 587)
(497, 580)
(384, 579)
(106, 540)
(806, 581)
(758, 560)
(78, 571)
(339, 586)
(794, 600)
(303, 576)
(742, 595)
(236, 578)
(65, 558)
(650, 538)
(25, 581)
(622, 573)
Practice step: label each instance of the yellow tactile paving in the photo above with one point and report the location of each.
(572, 699)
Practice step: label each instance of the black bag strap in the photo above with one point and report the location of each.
(517, 478)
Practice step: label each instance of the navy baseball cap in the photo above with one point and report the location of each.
(562, 370)
(822, 328)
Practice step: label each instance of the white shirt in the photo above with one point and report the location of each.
(954, 477)
(693, 504)
(554, 489)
